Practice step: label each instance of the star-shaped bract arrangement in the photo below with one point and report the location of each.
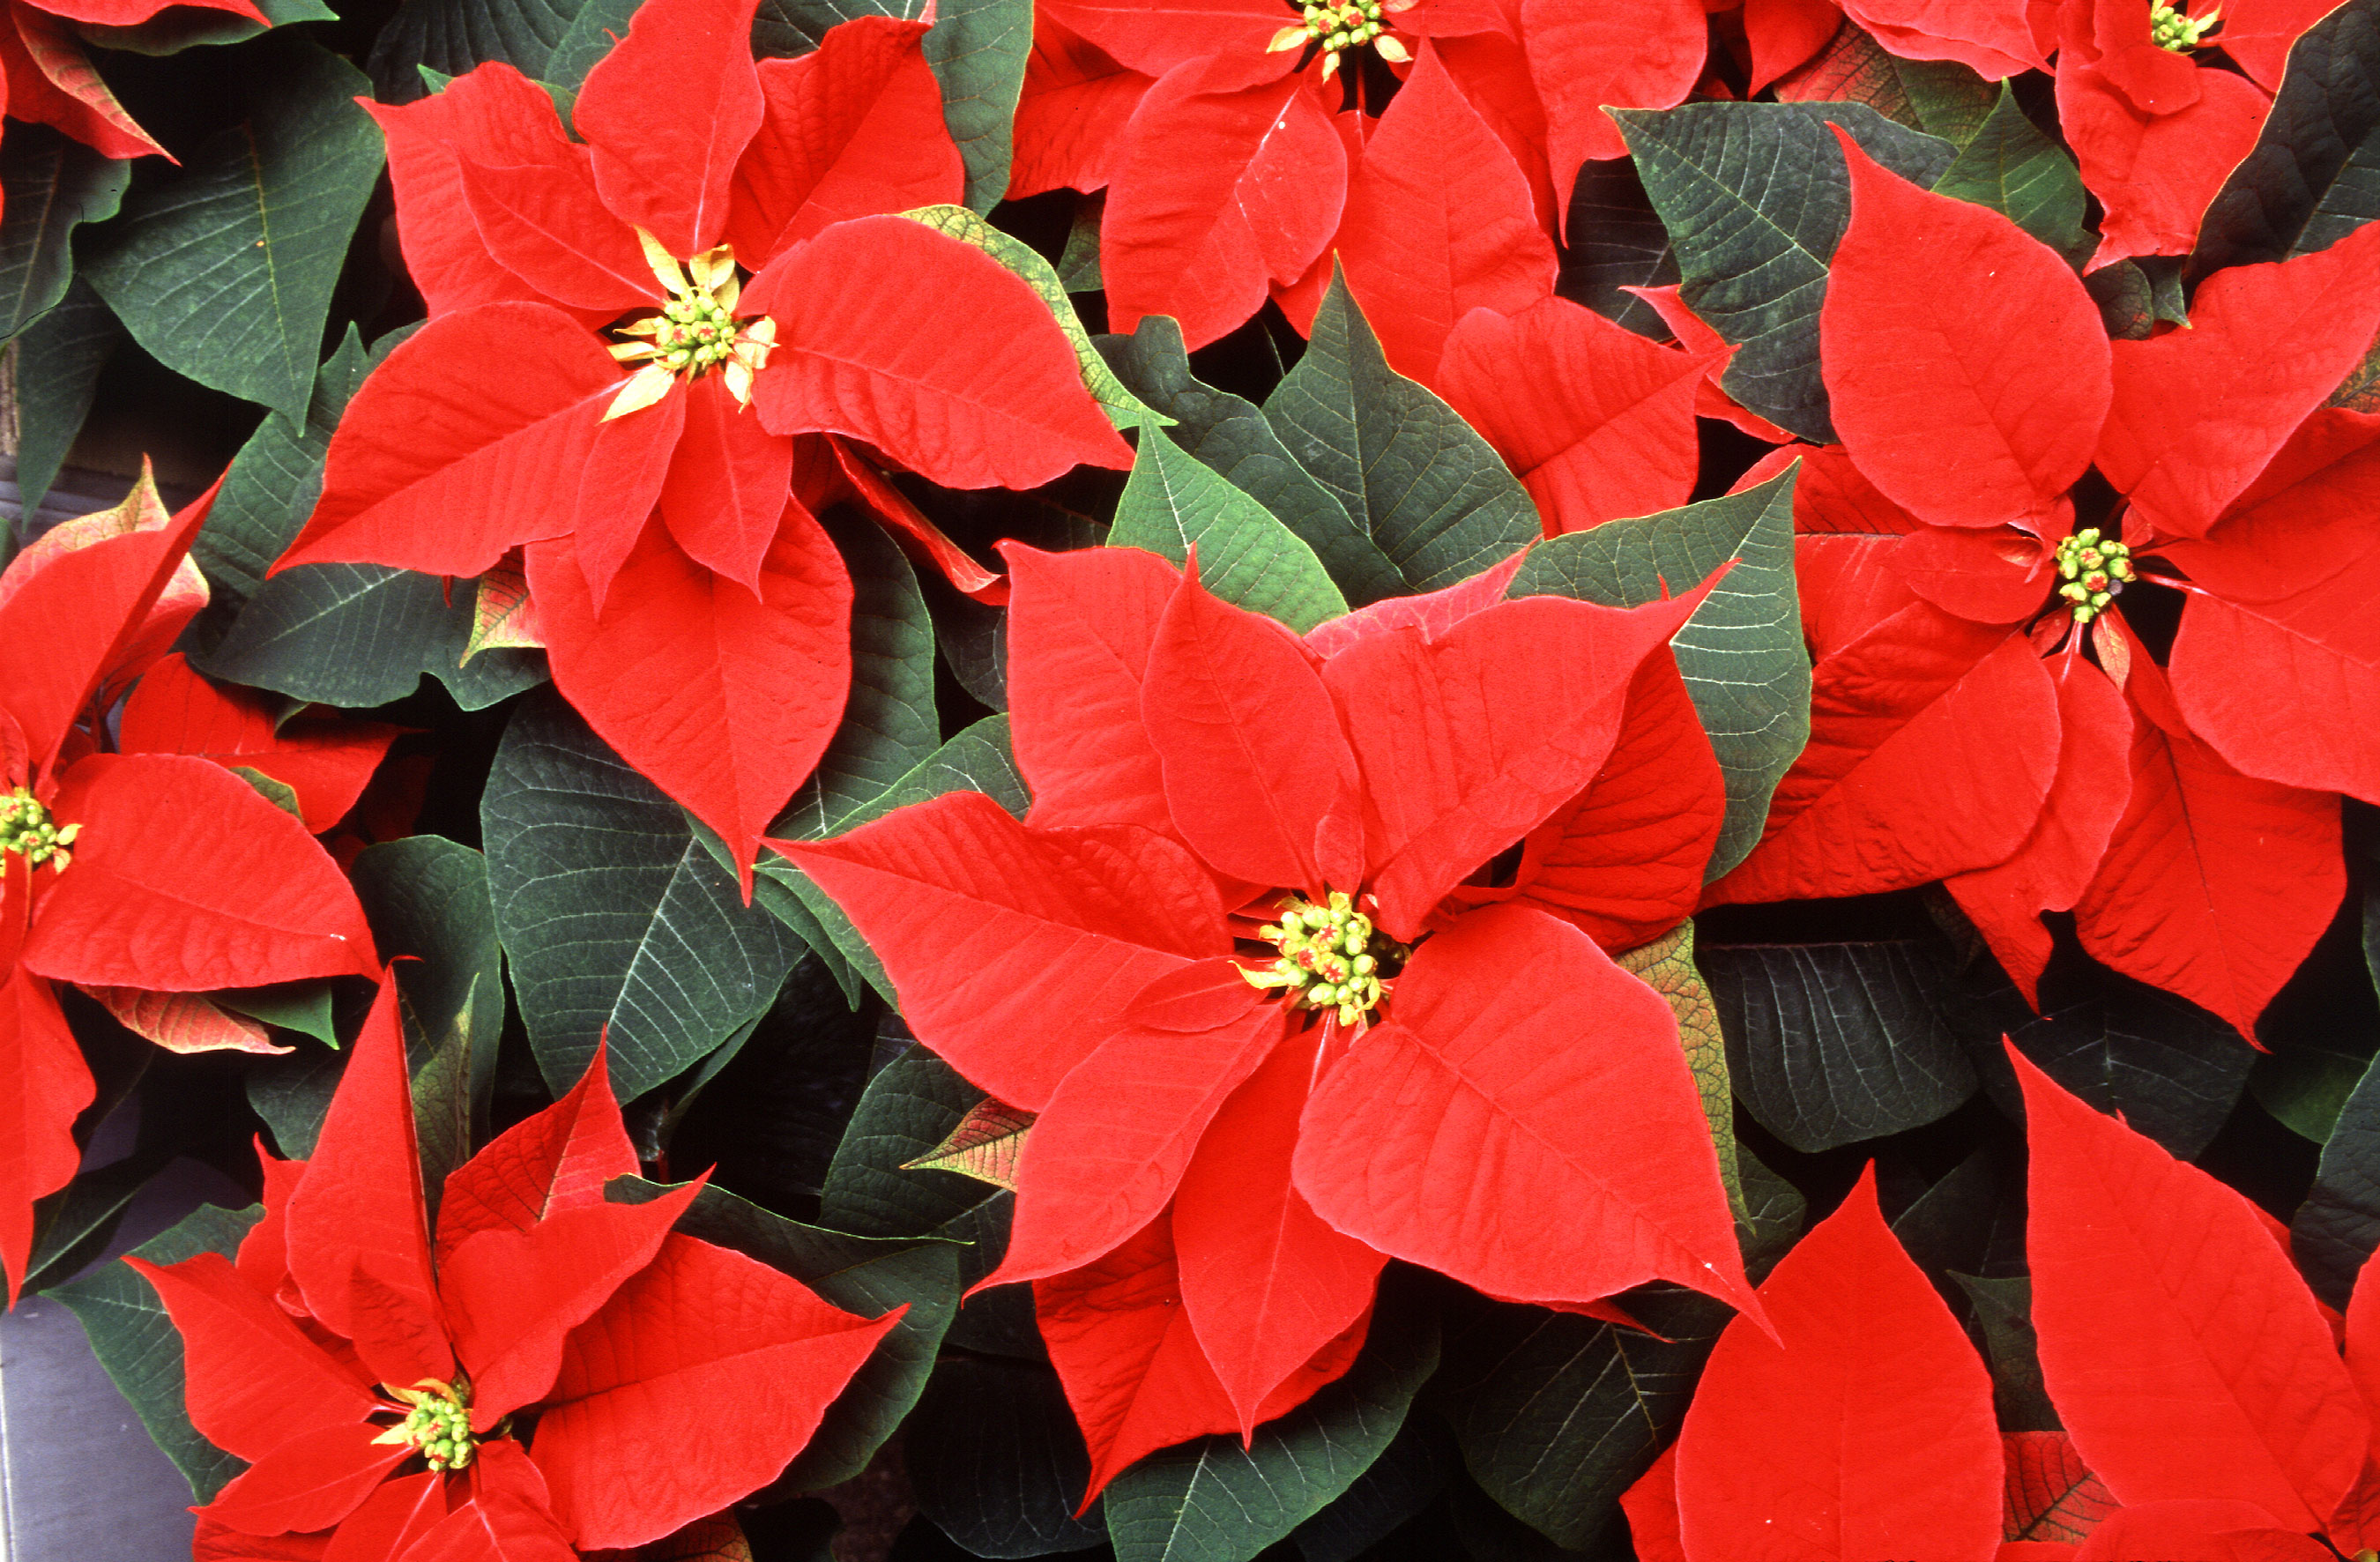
(2187, 813)
(2207, 1410)
(549, 1372)
(694, 609)
(145, 874)
(1272, 1036)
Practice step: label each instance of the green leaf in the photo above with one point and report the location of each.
(1172, 504)
(910, 1107)
(362, 635)
(2022, 174)
(451, 36)
(1558, 1414)
(1830, 1044)
(1231, 436)
(224, 273)
(177, 28)
(72, 1224)
(1940, 97)
(1426, 490)
(1078, 263)
(1123, 409)
(1740, 653)
(977, 50)
(867, 1275)
(1616, 242)
(786, 27)
(1213, 1501)
(1411, 1472)
(889, 726)
(280, 794)
(137, 1345)
(996, 1461)
(598, 26)
(427, 897)
(292, 1095)
(273, 481)
(58, 358)
(2337, 1227)
(614, 919)
(1755, 197)
(2305, 1087)
(977, 761)
(2004, 1312)
(2313, 176)
(1667, 965)
(53, 185)
(303, 1007)
(2126, 306)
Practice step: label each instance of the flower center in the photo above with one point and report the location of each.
(1331, 957)
(695, 333)
(2095, 569)
(439, 1424)
(26, 827)
(2169, 29)
(1337, 26)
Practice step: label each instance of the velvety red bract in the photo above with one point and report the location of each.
(506, 422)
(133, 874)
(668, 1377)
(1862, 1428)
(1638, 53)
(1081, 964)
(47, 77)
(2153, 1284)
(1996, 39)
(327, 764)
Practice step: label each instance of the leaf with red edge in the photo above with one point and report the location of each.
(1179, 235)
(174, 710)
(552, 1161)
(631, 1441)
(252, 1381)
(2008, 389)
(852, 130)
(1638, 53)
(186, 880)
(2155, 1285)
(2199, 413)
(1016, 950)
(1439, 1129)
(1080, 625)
(986, 1144)
(864, 348)
(2322, 648)
(1128, 1356)
(1595, 420)
(1110, 1148)
(1266, 1282)
(721, 698)
(494, 115)
(2050, 1494)
(727, 484)
(2154, 173)
(1994, 38)
(668, 113)
(1469, 742)
(47, 1085)
(357, 1235)
(1439, 222)
(467, 442)
(2058, 861)
(1933, 744)
(184, 1022)
(1258, 773)
(503, 617)
(311, 1481)
(1860, 1428)
(1071, 113)
(2215, 885)
(52, 79)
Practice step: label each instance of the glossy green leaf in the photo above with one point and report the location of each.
(1413, 477)
(977, 50)
(137, 1345)
(2313, 176)
(1410, 1471)
(52, 185)
(796, 27)
(58, 359)
(1172, 504)
(1616, 242)
(71, 1226)
(2004, 1312)
(2337, 1227)
(1940, 97)
(1755, 197)
(303, 1007)
(224, 273)
(1830, 1044)
(2022, 174)
(910, 1107)
(276, 477)
(598, 25)
(451, 36)
(1740, 653)
(363, 635)
(997, 1463)
(427, 897)
(613, 918)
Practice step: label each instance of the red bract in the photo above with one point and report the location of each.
(45, 75)
(1231, 1137)
(136, 875)
(2188, 817)
(384, 1389)
(2207, 1412)
(694, 609)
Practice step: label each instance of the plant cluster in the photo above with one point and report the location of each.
(1345, 781)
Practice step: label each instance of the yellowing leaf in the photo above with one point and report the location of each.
(1667, 965)
(503, 618)
(985, 1145)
